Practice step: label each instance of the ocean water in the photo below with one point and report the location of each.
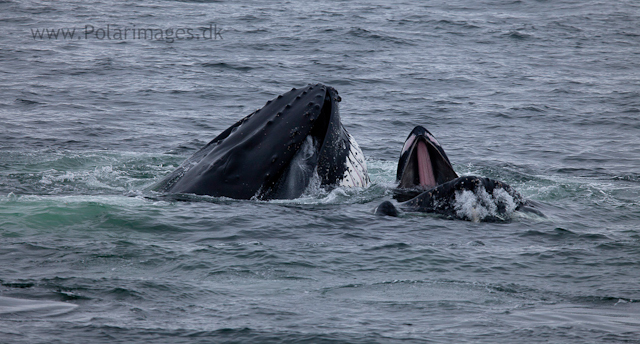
(543, 95)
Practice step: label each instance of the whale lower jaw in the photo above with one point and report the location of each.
(355, 174)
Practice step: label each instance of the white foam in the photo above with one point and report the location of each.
(479, 205)
(93, 179)
(10, 305)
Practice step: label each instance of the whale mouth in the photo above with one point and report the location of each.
(425, 168)
(423, 163)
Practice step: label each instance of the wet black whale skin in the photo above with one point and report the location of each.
(441, 199)
(249, 158)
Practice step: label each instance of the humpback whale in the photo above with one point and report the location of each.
(275, 152)
(427, 183)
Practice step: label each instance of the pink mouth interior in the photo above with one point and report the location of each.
(425, 170)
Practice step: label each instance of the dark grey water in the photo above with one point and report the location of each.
(542, 95)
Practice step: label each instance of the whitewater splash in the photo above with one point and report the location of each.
(468, 198)
(480, 205)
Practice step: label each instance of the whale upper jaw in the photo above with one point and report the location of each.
(275, 152)
(423, 163)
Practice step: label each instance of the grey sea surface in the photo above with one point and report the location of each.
(543, 95)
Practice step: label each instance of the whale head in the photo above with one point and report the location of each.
(423, 163)
(275, 152)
